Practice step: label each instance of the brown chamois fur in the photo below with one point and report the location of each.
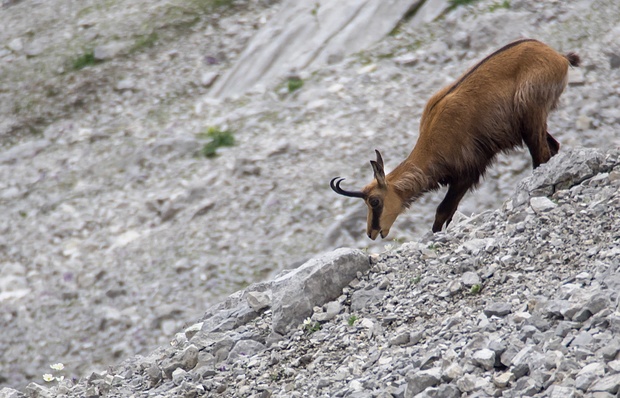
(499, 104)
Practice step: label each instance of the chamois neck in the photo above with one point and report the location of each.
(410, 181)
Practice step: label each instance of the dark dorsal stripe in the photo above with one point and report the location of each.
(473, 69)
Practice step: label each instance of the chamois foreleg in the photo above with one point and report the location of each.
(448, 206)
(554, 146)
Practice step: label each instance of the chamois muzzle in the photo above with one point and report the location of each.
(335, 184)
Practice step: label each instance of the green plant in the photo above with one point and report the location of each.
(315, 9)
(294, 83)
(415, 280)
(311, 327)
(219, 138)
(496, 6)
(456, 3)
(475, 289)
(84, 60)
(351, 320)
(144, 41)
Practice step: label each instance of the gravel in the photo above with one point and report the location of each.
(117, 234)
(545, 325)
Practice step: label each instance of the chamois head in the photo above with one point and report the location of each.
(384, 204)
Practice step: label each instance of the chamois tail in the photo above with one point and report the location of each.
(573, 59)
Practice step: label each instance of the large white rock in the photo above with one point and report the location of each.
(310, 33)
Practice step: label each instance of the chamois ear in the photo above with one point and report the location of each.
(379, 173)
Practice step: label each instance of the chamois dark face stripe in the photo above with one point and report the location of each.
(376, 218)
(473, 69)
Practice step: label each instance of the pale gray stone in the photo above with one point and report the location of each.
(258, 300)
(470, 279)
(363, 298)
(418, 381)
(400, 339)
(23, 151)
(318, 281)
(109, 50)
(497, 309)
(610, 384)
(562, 392)
(16, 45)
(484, 358)
(541, 204)
(7, 392)
(245, 348)
(332, 309)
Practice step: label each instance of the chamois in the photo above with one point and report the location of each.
(500, 103)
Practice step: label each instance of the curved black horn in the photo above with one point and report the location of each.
(379, 158)
(335, 184)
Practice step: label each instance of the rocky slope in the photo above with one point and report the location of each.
(522, 301)
(116, 232)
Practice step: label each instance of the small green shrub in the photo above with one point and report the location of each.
(475, 289)
(351, 320)
(145, 41)
(84, 60)
(294, 83)
(311, 327)
(218, 138)
(416, 280)
(496, 6)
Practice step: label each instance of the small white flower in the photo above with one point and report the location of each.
(48, 377)
(307, 322)
(57, 366)
(61, 378)
(388, 247)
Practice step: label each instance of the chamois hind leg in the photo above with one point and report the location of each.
(535, 136)
(449, 204)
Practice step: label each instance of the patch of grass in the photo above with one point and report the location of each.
(219, 138)
(351, 320)
(144, 41)
(85, 60)
(497, 6)
(294, 83)
(475, 289)
(210, 5)
(456, 3)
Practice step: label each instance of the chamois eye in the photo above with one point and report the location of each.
(374, 202)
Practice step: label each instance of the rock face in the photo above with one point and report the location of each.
(544, 322)
(116, 232)
(305, 35)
